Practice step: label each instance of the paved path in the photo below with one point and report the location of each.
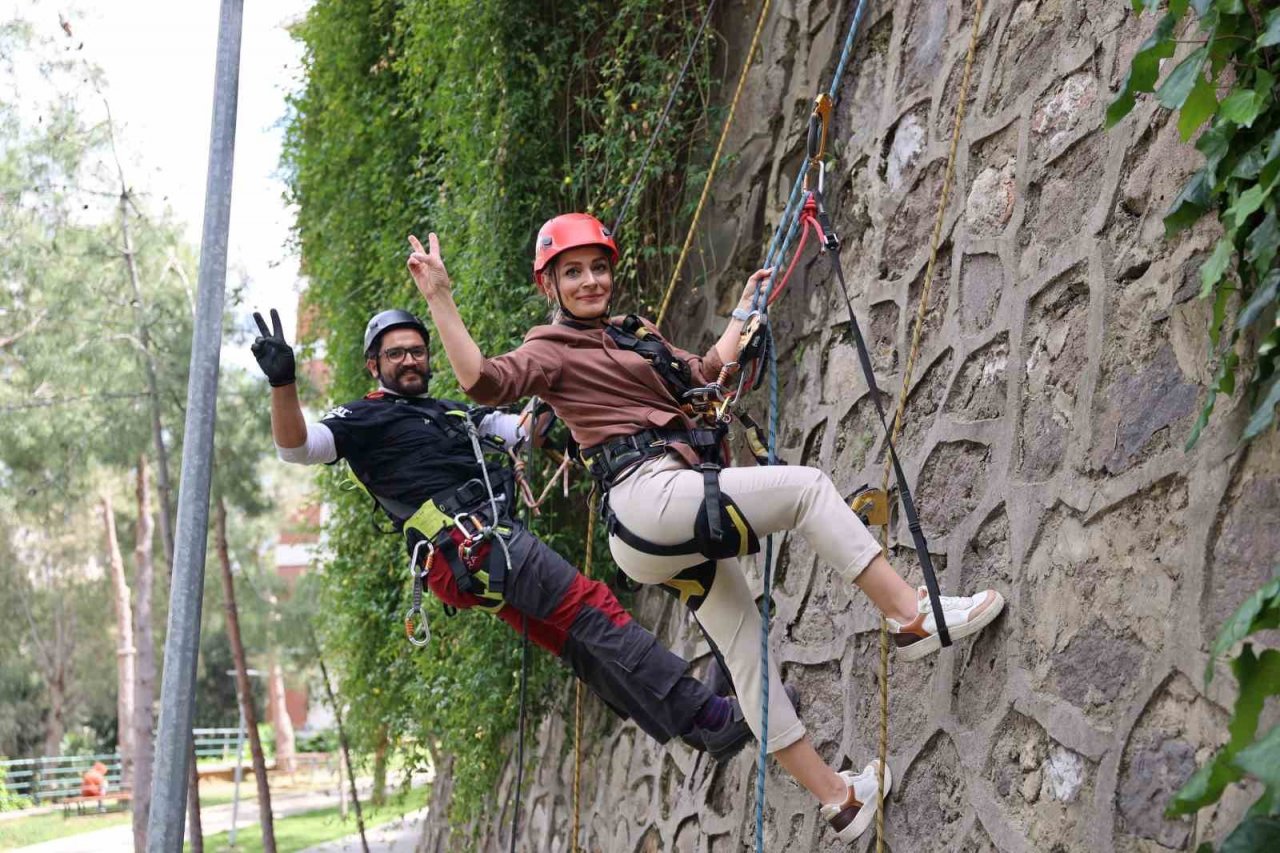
(399, 836)
(214, 819)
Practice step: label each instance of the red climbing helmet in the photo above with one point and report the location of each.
(570, 231)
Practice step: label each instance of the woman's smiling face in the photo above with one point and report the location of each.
(584, 279)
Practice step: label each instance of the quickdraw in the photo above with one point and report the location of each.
(416, 627)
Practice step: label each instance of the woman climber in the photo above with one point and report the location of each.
(676, 518)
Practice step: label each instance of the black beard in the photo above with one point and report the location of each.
(396, 385)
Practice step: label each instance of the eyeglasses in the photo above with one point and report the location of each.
(395, 354)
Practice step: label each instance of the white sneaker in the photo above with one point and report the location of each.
(852, 817)
(965, 615)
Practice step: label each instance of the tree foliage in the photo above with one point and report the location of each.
(476, 120)
(1229, 80)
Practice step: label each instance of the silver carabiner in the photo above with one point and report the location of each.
(419, 634)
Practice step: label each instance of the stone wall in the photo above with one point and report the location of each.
(1061, 368)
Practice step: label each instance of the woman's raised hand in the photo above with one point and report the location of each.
(427, 268)
(757, 280)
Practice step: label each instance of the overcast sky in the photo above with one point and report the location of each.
(158, 58)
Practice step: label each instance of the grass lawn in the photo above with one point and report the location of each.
(297, 832)
(47, 827)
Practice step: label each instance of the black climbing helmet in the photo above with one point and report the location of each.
(385, 321)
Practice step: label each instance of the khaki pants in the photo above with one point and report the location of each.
(660, 500)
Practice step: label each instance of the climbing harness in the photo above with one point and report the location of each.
(721, 530)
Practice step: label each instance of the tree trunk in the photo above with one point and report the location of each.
(55, 724)
(286, 753)
(342, 742)
(243, 690)
(124, 646)
(378, 796)
(144, 642)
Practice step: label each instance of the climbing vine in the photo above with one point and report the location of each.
(1245, 755)
(476, 119)
(1229, 81)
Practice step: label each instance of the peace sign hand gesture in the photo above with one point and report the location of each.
(427, 268)
(274, 355)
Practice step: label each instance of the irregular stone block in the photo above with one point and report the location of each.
(931, 799)
(922, 46)
(951, 484)
(1045, 788)
(981, 391)
(1061, 112)
(1144, 411)
(990, 200)
(1028, 50)
(1245, 541)
(1060, 199)
(1056, 356)
(905, 143)
(923, 404)
(859, 430)
(982, 281)
(1160, 756)
(1087, 637)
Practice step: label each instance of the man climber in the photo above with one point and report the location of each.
(422, 461)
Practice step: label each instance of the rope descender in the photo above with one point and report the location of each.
(416, 628)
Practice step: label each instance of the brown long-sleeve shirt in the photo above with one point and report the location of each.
(601, 392)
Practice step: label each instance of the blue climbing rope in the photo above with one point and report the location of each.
(789, 223)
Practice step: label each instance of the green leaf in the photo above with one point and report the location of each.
(1204, 787)
(1144, 69)
(1214, 143)
(1271, 32)
(1262, 759)
(1219, 315)
(1178, 85)
(1257, 678)
(1212, 270)
(1264, 413)
(1250, 164)
(1261, 832)
(1260, 248)
(1248, 202)
(1262, 297)
(1242, 106)
(1202, 421)
(1200, 104)
(1190, 204)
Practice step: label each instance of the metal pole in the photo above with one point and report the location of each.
(235, 797)
(182, 639)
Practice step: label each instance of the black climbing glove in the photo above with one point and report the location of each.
(274, 355)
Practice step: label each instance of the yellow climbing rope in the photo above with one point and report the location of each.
(715, 164)
(577, 702)
(916, 335)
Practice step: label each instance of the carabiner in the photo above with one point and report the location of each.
(816, 144)
(420, 634)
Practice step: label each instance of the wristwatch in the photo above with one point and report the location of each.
(741, 314)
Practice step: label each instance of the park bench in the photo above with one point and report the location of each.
(79, 803)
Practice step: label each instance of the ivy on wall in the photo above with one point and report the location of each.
(476, 119)
(1229, 81)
